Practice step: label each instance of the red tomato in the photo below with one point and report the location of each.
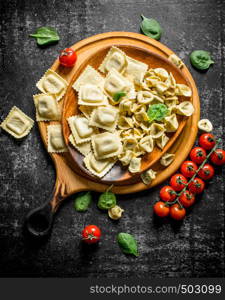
(178, 182)
(68, 57)
(91, 234)
(196, 186)
(206, 172)
(188, 168)
(177, 212)
(187, 198)
(207, 141)
(167, 193)
(198, 155)
(161, 209)
(218, 157)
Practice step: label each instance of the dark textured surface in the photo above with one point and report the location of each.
(194, 248)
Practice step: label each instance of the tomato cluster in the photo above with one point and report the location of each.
(184, 186)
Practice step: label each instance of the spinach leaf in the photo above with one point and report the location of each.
(201, 59)
(117, 96)
(45, 36)
(82, 201)
(127, 243)
(157, 112)
(107, 200)
(151, 28)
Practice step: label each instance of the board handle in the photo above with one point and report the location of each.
(38, 221)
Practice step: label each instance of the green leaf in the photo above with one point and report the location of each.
(201, 59)
(45, 36)
(107, 200)
(82, 201)
(127, 243)
(117, 96)
(157, 112)
(151, 28)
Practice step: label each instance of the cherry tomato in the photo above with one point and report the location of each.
(91, 234)
(218, 157)
(188, 168)
(177, 212)
(198, 155)
(167, 193)
(197, 186)
(161, 209)
(68, 57)
(207, 141)
(187, 198)
(206, 172)
(178, 182)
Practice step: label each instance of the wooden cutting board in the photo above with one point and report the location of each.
(70, 178)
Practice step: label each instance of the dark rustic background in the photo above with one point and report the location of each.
(194, 248)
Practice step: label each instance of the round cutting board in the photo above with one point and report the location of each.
(69, 177)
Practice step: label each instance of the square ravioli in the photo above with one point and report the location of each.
(135, 70)
(88, 76)
(17, 123)
(106, 145)
(83, 148)
(46, 107)
(81, 131)
(98, 168)
(56, 142)
(52, 83)
(91, 95)
(105, 118)
(115, 83)
(115, 59)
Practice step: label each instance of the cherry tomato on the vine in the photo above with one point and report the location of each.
(206, 172)
(207, 141)
(188, 168)
(198, 155)
(68, 57)
(197, 186)
(178, 182)
(91, 234)
(167, 193)
(177, 212)
(161, 209)
(218, 157)
(187, 198)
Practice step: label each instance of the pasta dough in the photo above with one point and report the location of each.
(83, 148)
(98, 168)
(91, 95)
(88, 76)
(56, 142)
(115, 59)
(17, 123)
(52, 83)
(105, 118)
(106, 145)
(80, 128)
(46, 107)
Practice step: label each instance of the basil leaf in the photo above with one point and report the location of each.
(201, 59)
(157, 112)
(117, 96)
(107, 200)
(82, 201)
(46, 36)
(151, 28)
(127, 243)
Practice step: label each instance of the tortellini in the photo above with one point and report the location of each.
(167, 159)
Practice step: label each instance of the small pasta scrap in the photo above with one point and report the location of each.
(17, 123)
